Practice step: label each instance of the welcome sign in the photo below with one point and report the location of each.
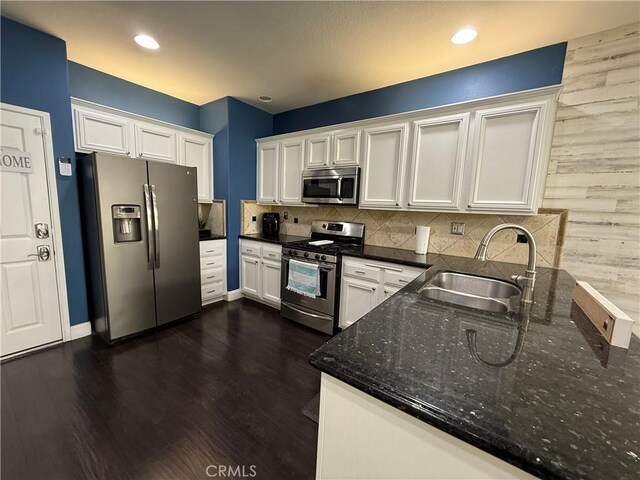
(15, 161)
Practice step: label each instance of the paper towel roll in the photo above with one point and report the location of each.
(422, 239)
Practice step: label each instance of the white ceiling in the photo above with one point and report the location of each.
(303, 53)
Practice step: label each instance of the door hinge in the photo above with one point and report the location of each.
(39, 131)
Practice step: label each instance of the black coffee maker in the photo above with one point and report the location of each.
(270, 224)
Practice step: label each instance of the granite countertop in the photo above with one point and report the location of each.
(212, 236)
(540, 389)
(280, 239)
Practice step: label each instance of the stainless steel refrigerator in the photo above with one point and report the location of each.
(141, 243)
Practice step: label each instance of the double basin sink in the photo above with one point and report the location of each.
(473, 291)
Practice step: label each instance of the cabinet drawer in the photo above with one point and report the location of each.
(251, 249)
(271, 254)
(210, 249)
(358, 270)
(402, 278)
(212, 276)
(213, 290)
(207, 263)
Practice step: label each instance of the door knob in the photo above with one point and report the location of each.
(43, 253)
(42, 230)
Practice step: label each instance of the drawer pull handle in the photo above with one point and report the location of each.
(272, 254)
(249, 250)
(212, 276)
(360, 272)
(210, 291)
(402, 281)
(211, 251)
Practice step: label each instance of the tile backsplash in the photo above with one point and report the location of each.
(397, 229)
(215, 214)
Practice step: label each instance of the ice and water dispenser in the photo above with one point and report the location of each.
(126, 223)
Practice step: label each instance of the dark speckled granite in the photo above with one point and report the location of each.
(280, 239)
(212, 236)
(564, 405)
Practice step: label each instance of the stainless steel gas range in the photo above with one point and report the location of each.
(320, 312)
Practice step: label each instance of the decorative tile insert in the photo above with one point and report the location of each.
(396, 229)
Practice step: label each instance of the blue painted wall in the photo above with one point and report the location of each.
(537, 68)
(33, 69)
(235, 125)
(99, 87)
(246, 123)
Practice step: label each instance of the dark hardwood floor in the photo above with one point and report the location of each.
(226, 388)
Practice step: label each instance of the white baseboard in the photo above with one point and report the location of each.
(234, 295)
(80, 330)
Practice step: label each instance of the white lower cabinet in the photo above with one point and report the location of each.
(213, 270)
(260, 271)
(365, 284)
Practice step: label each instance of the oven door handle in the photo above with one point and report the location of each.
(304, 312)
(287, 258)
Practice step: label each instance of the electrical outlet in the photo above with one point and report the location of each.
(295, 219)
(457, 228)
(285, 215)
(254, 219)
(521, 238)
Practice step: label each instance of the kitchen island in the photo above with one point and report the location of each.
(424, 389)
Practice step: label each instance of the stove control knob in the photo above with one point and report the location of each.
(290, 252)
(306, 254)
(317, 257)
(323, 257)
(295, 252)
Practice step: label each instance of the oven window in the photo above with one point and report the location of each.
(320, 188)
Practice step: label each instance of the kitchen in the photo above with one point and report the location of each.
(567, 113)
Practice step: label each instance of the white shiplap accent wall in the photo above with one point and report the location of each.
(594, 170)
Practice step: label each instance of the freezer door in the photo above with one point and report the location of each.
(177, 254)
(127, 274)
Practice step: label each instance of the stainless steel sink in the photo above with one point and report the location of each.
(474, 291)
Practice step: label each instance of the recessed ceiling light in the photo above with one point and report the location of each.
(464, 36)
(265, 98)
(147, 42)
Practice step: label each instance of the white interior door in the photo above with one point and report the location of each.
(30, 312)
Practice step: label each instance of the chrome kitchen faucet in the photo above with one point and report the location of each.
(526, 281)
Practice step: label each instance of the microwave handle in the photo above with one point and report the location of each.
(339, 188)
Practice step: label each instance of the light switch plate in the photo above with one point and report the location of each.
(457, 228)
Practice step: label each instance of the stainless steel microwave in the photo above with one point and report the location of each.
(337, 186)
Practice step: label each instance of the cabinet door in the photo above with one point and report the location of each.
(271, 281)
(506, 158)
(388, 291)
(346, 148)
(291, 164)
(317, 151)
(196, 151)
(154, 142)
(96, 131)
(267, 187)
(250, 275)
(437, 162)
(384, 161)
(358, 298)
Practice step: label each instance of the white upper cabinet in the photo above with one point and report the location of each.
(439, 146)
(318, 149)
(346, 148)
(97, 128)
(96, 131)
(508, 162)
(385, 151)
(267, 173)
(197, 151)
(291, 165)
(154, 142)
(483, 156)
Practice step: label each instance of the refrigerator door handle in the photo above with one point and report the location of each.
(156, 225)
(147, 204)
